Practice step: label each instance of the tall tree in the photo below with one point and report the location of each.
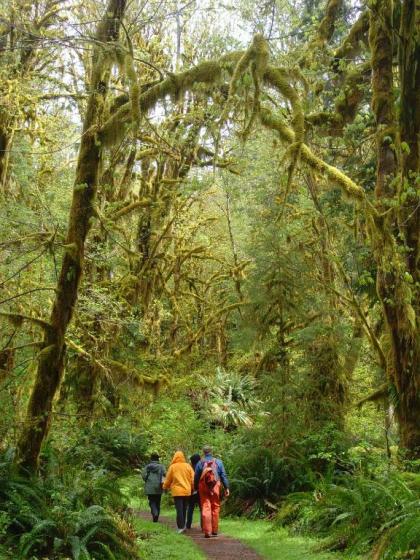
(51, 357)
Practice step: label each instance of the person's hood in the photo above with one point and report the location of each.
(179, 457)
(154, 467)
(194, 459)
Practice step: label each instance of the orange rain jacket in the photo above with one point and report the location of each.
(180, 476)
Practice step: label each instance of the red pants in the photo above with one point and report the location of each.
(210, 508)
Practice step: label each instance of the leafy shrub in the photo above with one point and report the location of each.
(259, 477)
(324, 452)
(116, 448)
(92, 533)
(174, 424)
(359, 512)
(55, 517)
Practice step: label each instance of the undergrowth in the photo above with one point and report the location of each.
(360, 514)
(67, 511)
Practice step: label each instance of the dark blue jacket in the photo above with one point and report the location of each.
(220, 471)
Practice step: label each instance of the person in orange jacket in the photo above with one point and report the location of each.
(180, 480)
(210, 476)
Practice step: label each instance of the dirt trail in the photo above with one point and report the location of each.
(216, 548)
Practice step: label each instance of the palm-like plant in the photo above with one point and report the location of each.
(230, 400)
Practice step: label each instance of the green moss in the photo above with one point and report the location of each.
(381, 46)
(279, 79)
(327, 25)
(134, 88)
(339, 178)
(351, 44)
(156, 542)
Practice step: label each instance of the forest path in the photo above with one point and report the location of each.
(216, 548)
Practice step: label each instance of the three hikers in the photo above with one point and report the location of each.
(199, 483)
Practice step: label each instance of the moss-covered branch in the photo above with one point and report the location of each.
(346, 102)
(327, 26)
(19, 318)
(379, 395)
(130, 208)
(350, 47)
(337, 177)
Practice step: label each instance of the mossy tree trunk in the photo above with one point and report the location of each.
(5, 142)
(395, 234)
(51, 358)
(86, 377)
(408, 342)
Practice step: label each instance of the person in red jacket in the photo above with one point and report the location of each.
(210, 476)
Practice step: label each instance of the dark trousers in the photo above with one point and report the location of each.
(181, 504)
(193, 501)
(154, 503)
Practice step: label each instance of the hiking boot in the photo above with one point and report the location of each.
(214, 534)
(207, 536)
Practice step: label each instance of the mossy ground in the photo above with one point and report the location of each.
(276, 543)
(156, 542)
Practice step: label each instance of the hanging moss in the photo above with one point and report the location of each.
(324, 32)
(134, 88)
(279, 79)
(339, 178)
(346, 102)
(351, 44)
(207, 73)
(327, 25)
(16, 319)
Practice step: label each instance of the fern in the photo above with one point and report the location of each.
(358, 513)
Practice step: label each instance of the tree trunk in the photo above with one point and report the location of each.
(408, 410)
(5, 145)
(51, 358)
(392, 238)
(86, 385)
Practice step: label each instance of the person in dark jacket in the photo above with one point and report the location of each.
(153, 475)
(195, 498)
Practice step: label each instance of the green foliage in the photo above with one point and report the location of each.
(229, 399)
(357, 513)
(263, 475)
(66, 515)
(116, 447)
(174, 424)
(259, 477)
(126, 448)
